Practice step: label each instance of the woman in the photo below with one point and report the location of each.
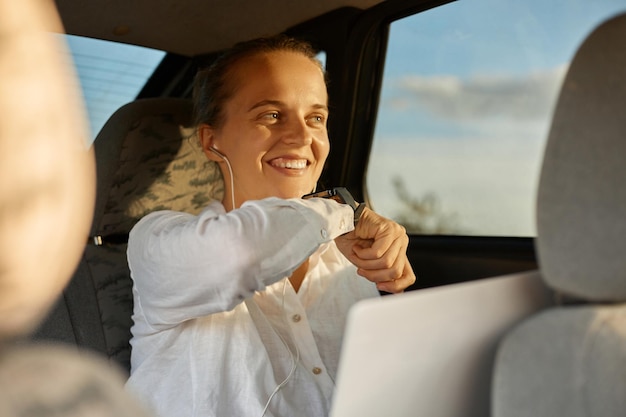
(240, 310)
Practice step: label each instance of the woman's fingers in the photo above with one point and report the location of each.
(407, 279)
(377, 247)
(388, 266)
(382, 231)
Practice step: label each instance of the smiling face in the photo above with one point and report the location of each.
(274, 128)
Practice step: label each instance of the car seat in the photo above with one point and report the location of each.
(570, 360)
(147, 158)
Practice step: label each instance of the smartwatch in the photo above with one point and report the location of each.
(343, 196)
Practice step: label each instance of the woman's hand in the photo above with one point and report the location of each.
(377, 247)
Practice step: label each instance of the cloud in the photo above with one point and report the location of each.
(522, 98)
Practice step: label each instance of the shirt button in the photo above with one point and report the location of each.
(317, 370)
(324, 233)
(296, 318)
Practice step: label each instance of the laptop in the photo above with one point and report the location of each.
(430, 353)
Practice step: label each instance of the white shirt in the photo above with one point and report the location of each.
(218, 325)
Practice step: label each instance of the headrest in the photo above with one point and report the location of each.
(147, 159)
(581, 203)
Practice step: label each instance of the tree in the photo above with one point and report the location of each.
(423, 215)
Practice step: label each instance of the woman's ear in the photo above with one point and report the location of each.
(207, 141)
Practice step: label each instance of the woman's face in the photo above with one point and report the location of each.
(274, 130)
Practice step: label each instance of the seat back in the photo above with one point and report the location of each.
(570, 360)
(147, 159)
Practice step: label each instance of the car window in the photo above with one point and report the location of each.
(466, 101)
(111, 74)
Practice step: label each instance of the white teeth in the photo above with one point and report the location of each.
(291, 163)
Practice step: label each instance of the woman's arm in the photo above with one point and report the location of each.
(186, 266)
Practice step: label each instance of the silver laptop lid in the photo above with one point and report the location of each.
(430, 352)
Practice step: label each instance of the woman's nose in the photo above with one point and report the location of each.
(297, 132)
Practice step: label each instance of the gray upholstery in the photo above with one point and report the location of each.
(582, 194)
(564, 362)
(147, 159)
(571, 360)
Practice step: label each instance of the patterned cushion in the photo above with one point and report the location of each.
(161, 166)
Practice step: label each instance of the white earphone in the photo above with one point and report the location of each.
(230, 171)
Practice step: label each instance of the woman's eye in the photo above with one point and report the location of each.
(271, 116)
(317, 119)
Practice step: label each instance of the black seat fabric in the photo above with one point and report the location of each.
(147, 159)
(571, 360)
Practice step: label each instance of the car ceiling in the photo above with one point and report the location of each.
(190, 27)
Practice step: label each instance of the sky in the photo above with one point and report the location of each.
(468, 92)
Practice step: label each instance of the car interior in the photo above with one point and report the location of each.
(569, 359)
